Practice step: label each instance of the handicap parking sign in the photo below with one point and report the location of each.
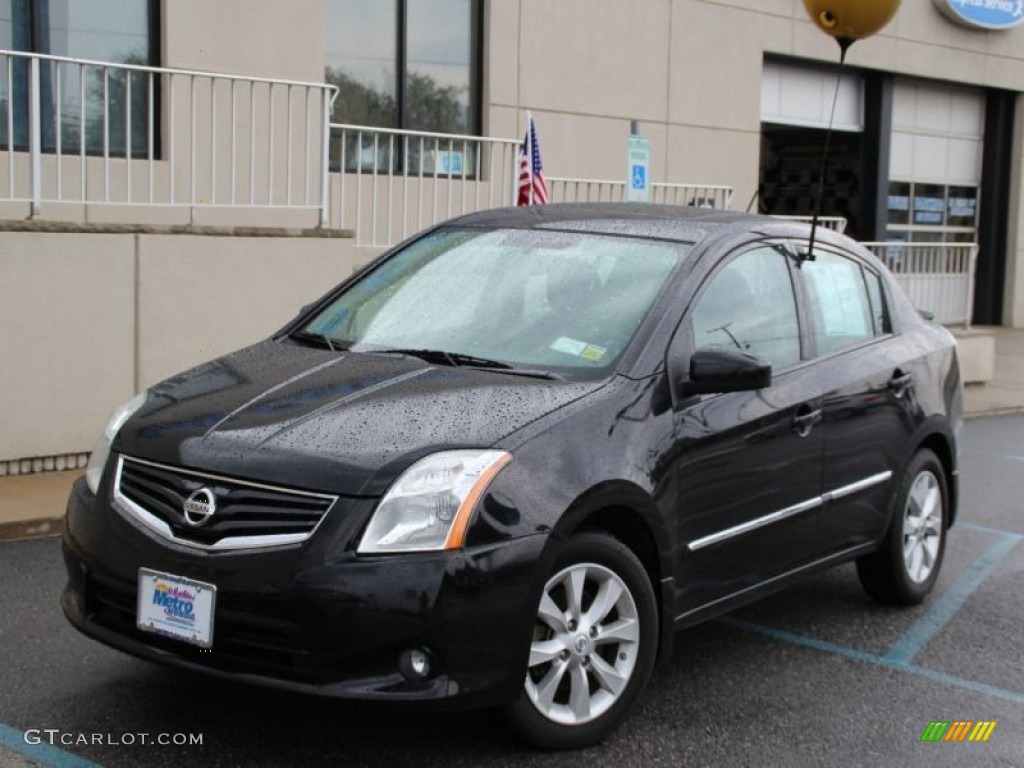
(639, 177)
(638, 159)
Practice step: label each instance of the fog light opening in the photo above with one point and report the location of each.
(416, 664)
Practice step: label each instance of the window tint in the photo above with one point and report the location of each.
(750, 304)
(840, 307)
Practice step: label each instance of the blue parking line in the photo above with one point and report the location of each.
(944, 609)
(988, 529)
(13, 739)
(879, 661)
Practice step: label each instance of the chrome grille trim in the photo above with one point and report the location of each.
(230, 543)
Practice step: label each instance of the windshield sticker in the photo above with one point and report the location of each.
(569, 346)
(593, 353)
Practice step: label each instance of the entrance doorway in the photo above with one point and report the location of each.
(790, 164)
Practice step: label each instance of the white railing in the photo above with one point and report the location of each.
(101, 133)
(568, 190)
(937, 277)
(394, 182)
(835, 223)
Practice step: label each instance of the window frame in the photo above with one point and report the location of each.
(683, 344)
(910, 230)
(878, 334)
(40, 43)
(476, 70)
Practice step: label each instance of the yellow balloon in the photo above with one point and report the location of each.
(849, 20)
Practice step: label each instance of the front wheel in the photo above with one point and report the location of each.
(906, 568)
(593, 645)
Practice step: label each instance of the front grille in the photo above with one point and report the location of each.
(247, 514)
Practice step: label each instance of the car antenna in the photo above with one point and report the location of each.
(846, 22)
(844, 46)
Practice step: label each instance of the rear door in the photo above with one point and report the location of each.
(747, 464)
(868, 396)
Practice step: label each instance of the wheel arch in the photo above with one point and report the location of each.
(941, 444)
(628, 514)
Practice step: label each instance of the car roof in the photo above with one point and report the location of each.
(668, 222)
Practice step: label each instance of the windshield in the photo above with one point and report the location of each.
(568, 302)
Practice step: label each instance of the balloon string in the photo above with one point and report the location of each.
(844, 45)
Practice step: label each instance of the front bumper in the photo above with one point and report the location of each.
(316, 617)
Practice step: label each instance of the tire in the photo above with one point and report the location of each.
(589, 658)
(904, 570)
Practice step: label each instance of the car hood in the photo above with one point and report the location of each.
(340, 422)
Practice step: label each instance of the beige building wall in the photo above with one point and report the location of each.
(119, 312)
(67, 306)
(1013, 295)
(93, 318)
(690, 72)
(262, 38)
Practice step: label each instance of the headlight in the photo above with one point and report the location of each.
(429, 506)
(98, 459)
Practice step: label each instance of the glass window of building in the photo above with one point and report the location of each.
(410, 64)
(935, 163)
(109, 102)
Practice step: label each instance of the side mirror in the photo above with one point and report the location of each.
(719, 369)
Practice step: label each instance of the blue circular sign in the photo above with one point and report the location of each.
(984, 14)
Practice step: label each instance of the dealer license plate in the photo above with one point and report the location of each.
(176, 607)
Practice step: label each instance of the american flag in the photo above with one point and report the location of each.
(532, 189)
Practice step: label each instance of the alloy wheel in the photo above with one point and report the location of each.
(585, 644)
(922, 526)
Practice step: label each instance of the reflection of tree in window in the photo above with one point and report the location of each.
(116, 31)
(432, 45)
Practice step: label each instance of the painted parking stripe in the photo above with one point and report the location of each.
(945, 608)
(880, 661)
(13, 739)
(988, 529)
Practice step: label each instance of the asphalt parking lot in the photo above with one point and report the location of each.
(816, 675)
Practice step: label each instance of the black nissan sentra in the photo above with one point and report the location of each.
(501, 464)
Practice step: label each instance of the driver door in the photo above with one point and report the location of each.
(749, 464)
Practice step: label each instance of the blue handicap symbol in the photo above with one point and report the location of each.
(639, 177)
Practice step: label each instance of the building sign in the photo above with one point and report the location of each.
(984, 14)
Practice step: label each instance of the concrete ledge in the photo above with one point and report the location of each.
(72, 227)
(31, 529)
(32, 506)
(977, 351)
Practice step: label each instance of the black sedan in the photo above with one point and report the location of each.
(505, 461)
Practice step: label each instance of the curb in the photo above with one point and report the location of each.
(1010, 410)
(31, 529)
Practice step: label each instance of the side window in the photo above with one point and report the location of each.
(840, 307)
(878, 308)
(750, 304)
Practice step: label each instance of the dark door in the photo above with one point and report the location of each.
(748, 464)
(868, 388)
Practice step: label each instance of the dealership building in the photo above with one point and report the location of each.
(178, 177)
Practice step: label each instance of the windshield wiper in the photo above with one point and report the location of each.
(461, 360)
(321, 339)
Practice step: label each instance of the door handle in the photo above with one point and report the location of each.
(900, 383)
(805, 420)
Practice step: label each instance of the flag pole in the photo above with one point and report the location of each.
(529, 149)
